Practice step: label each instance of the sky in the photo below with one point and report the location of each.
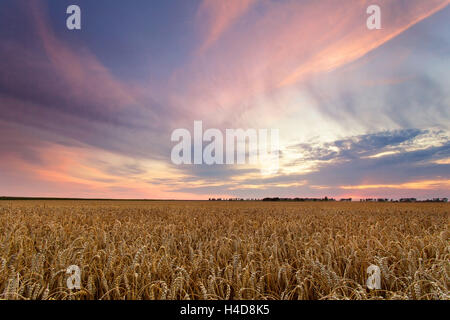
(89, 113)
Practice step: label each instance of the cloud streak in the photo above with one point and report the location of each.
(217, 16)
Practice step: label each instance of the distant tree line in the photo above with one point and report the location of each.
(330, 199)
(298, 199)
(403, 200)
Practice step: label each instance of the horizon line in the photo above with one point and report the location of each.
(273, 199)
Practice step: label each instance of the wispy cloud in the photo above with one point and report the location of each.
(354, 41)
(215, 17)
(419, 185)
(277, 45)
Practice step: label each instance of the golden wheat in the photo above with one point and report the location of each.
(223, 250)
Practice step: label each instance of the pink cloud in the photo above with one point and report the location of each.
(84, 75)
(217, 16)
(74, 171)
(283, 44)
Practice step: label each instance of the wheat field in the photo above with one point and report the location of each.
(223, 250)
